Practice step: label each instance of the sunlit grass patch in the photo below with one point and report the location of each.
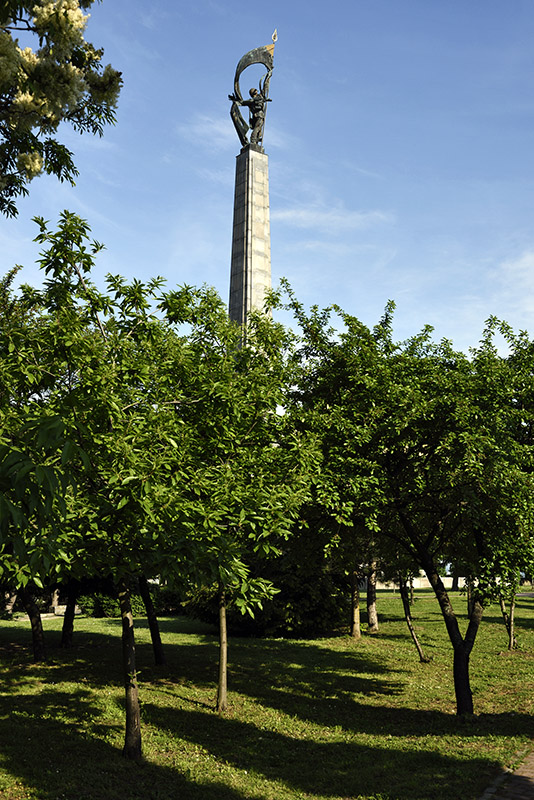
(328, 719)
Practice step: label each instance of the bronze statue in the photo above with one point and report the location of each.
(258, 97)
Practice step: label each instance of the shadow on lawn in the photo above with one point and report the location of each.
(334, 689)
(301, 679)
(55, 758)
(521, 623)
(335, 768)
(298, 665)
(329, 688)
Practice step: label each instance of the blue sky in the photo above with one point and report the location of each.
(400, 143)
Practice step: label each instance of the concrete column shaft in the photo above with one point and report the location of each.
(250, 275)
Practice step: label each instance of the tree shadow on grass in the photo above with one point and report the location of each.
(526, 625)
(302, 680)
(301, 665)
(53, 746)
(267, 669)
(328, 688)
(339, 689)
(395, 768)
(298, 678)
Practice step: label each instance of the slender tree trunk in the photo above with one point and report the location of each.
(222, 696)
(67, 631)
(157, 645)
(512, 643)
(470, 587)
(54, 601)
(462, 686)
(355, 626)
(462, 646)
(10, 598)
(508, 618)
(38, 642)
(372, 615)
(412, 592)
(132, 739)
(455, 582)
(408, 617)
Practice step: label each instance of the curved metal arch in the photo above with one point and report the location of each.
(260, 55)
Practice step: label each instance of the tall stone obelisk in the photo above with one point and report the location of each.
(250, 274)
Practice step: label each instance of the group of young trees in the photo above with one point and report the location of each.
(427, 455)
(141, 437)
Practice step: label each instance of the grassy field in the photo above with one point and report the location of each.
(328, 719)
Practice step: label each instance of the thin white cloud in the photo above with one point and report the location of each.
(214, 132)
(368, 173)
(516, 279)
(221, 176)
(15, 249)
(520, 269)
(217, 133)
(279, 138)
(149, 21)
(330, 220)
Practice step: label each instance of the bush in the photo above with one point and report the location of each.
(99, 604)
(167, 601)
(312, 600)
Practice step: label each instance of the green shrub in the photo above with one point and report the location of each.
(312, 598)
(167, 601)
(99, 604)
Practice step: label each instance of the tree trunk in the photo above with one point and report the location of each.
(512, 643)
(412, 592)
(132, 739)
(462, 646)
(10, 598)
(54, 601)
(372, 616)
(469, 586)
(355, 627)
(222, 697)
(38, 642)
(408, 617)
(509, 622)
(67, 631)
(157, 646)
(462, 686)
(455, 582)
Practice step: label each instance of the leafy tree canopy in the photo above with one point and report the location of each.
(175, 459)
(429, 449)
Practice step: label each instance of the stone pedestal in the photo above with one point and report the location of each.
(250, 275)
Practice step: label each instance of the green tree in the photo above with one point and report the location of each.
(420, 444)
(37, 454)
(37, 449)
(186, 465)
(250, 469)
(62, 80)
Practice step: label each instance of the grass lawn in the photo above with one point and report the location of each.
(328, 719)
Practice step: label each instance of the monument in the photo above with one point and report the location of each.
(250, 274)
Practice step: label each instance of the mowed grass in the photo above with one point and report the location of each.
(328, 719)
